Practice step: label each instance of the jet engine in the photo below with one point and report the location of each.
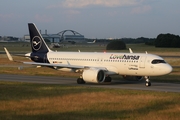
(133, 78)
(93, 75)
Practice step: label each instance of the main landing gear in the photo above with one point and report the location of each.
(107, 79)
(147, 83)
(80, 81)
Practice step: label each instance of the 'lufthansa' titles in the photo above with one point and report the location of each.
(125, 57)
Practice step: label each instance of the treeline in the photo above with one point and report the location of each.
(163, 40)
(167, 40)
(126, 40)
(116, 45)
(137, 40)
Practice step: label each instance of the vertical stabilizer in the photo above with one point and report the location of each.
(37, 42)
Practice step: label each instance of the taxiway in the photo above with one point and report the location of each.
(117, 84)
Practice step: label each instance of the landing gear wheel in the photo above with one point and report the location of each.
(80, 81)
(107, 79)
(147, 84)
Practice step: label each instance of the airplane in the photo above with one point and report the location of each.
(92, 42)
(96, 67)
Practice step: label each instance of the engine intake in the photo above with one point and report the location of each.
(93, 75)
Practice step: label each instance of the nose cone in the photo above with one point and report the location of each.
(168, 69)
(162, 69)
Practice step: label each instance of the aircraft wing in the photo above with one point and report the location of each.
(64, 65)
(55, 65)
(108, 72)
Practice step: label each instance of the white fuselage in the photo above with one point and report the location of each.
(135, 64)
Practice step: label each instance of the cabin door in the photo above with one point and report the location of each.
(142, 62)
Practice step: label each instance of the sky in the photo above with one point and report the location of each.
(92, 18)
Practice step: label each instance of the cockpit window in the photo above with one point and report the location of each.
(156, 61)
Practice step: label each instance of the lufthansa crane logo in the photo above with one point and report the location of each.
(36, 43)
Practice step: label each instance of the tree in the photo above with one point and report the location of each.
(116, 45)
(167, 40)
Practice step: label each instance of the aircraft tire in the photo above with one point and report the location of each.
(147, 84)
(108, 79)
(80, 81)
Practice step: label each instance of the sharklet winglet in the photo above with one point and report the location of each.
(8, 54)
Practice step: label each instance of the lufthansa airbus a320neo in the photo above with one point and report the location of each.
(96, 67)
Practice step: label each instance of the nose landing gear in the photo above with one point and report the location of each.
(147, 83)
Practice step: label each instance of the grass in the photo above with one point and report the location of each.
(98, 47)
(42, 101)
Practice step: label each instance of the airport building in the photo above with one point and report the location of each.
(71, 36)
(54, 38)
(63, 36)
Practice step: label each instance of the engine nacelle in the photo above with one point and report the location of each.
(93, 75)
(133, 78)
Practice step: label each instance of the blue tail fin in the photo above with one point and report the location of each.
(37, 42)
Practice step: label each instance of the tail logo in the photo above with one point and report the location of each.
(36, 43)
